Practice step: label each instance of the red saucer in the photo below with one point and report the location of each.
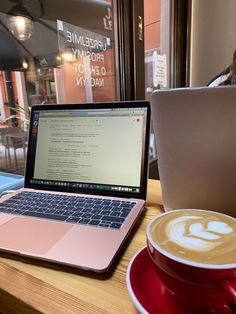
(147, 291)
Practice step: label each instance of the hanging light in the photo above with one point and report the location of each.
(20, 22)
(25, 65)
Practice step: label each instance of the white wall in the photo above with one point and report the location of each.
(213, 38)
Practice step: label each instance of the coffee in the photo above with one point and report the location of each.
(196, 235)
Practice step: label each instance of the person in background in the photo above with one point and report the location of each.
(227, 77)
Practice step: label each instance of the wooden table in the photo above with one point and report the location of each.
(34, 288)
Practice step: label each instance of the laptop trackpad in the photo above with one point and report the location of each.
(31, 235)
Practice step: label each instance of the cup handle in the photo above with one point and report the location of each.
(228, 285)
(224, 309)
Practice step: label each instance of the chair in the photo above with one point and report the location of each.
(13, 137)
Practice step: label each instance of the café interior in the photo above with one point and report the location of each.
(96, 51)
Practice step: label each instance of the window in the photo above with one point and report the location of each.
(63, 53)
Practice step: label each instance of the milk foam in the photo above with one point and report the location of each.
(197, 236)
(189, 233)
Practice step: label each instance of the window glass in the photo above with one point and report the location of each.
(152, 25)
(52, 52)
(153, 71)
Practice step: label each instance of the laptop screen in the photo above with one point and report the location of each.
(89, 148)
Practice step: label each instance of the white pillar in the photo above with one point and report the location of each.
(2, 111)
(59, 85)
(21, 95)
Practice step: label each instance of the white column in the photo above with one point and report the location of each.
(59, 85)
(21, 94)
(2, 111)
(87, 76)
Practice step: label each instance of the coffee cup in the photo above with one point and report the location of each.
(194, 254)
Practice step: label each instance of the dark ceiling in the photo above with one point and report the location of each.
(88, 14)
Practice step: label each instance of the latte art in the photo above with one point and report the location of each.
(197, 235)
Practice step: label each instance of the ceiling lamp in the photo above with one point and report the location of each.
(20, 22)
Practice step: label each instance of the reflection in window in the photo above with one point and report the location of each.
(40, 63)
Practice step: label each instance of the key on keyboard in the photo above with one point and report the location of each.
(71, 209)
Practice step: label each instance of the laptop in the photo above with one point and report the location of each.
(195, 132)
(85, 184)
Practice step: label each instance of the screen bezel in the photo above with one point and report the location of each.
(121, 104)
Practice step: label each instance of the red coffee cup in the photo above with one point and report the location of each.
(194, 254)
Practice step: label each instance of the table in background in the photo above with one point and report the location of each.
(30, 288)
(16, 140)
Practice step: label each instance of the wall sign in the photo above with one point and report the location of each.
(87, 51)
(159, 70)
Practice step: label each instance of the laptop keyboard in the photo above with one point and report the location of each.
(69, 208)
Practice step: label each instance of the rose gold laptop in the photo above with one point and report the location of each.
(85, 184)
(195, 131)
